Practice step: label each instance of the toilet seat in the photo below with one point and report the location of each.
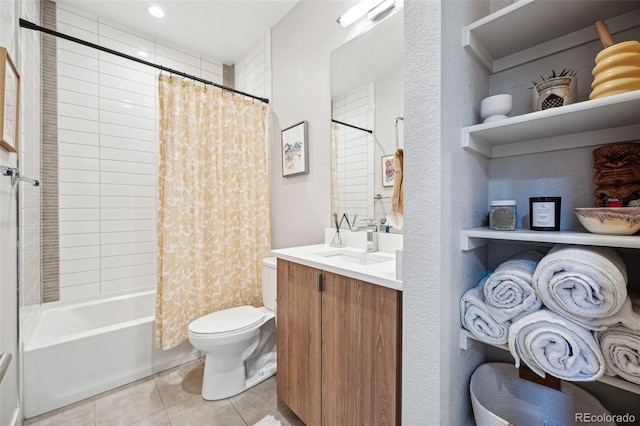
(227, 321)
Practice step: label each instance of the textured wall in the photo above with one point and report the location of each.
(422, 271)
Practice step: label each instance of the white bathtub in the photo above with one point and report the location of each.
(75, 351)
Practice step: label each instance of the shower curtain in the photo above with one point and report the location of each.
(213, 207)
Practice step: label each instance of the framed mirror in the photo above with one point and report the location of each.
(367, 125)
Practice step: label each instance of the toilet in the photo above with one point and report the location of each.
(239, 343)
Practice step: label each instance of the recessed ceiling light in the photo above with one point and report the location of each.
(155, 11)
(143, 54)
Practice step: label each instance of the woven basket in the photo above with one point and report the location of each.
(499, 398)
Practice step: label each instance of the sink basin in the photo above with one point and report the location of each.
(358, 257)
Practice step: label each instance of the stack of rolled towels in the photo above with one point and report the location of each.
(566, 313)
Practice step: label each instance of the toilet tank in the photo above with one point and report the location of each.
(269, 278)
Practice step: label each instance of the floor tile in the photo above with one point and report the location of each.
(128, 404)
(81, 413)
(158, 419)
(179, 383)
(198, 412)
(259, 401)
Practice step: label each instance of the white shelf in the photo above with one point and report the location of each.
(531, 29)
(476, 237)
(589, 123)
(617, 382)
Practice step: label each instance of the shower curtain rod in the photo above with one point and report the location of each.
(352, 126)
(32, 26)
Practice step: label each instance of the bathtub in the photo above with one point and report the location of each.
(78, 350)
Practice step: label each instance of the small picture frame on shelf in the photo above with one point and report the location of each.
(9, 102)
(295, 156)
(388, 170)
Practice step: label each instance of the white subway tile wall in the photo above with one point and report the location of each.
(355, 152)
(29, 145)
(108, 143)
(253, 69)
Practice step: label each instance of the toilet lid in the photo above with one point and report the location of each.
(227, 320)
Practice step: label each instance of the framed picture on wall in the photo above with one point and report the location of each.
(295, 156)
(388, 170)
(9, 102)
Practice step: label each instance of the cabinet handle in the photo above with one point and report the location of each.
(319, 283)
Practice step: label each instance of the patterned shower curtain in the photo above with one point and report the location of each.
(213, 207)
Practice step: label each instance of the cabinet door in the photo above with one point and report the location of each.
(360, 352)
(298, 331)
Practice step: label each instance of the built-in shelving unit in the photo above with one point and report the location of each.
(476, 237)
(617, 382)
(529, 30)
(524, 32)
(589, 123)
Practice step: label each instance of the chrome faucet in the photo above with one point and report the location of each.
(372, 235)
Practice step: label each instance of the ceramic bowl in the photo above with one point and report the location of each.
(610, 220)
(495, 107)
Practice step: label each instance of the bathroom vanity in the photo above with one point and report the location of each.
(339, 336)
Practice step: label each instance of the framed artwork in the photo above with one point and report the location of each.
(295, 156)
(9, 102)
(388, 170)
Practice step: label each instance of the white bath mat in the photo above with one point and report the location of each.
(268, 421)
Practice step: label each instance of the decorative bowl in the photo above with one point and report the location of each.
(610, 220)
(495, 107)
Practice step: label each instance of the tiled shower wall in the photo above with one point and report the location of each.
(107, 131)
(355, 152)
(29, 146)
(253, 69)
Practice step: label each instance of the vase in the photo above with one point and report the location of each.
(555, 92)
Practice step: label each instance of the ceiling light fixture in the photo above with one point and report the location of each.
(143, 53)
(357, 12)
(380, 9)
(155, 11)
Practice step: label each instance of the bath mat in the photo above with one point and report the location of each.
(268, 421)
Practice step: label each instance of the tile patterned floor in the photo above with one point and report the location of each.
(170, 398)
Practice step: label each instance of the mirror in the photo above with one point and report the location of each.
(367, 93)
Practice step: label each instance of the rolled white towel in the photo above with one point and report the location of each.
(549, 343)
(585, 284)
(621, 351)
(475, 317)
(509, 292)
(620, 347)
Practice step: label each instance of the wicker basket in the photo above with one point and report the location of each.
(499, 398)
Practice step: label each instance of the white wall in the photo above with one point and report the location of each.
(108, 141)
(24, 48)
(301, 46)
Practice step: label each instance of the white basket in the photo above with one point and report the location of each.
(499, 398)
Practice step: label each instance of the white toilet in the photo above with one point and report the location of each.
(239, 343)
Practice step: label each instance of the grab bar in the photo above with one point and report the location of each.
(16, 176)
(5, 360)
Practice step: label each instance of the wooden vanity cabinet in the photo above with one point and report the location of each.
(339, 342)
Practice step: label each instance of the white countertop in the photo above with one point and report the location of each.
(383, 273)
